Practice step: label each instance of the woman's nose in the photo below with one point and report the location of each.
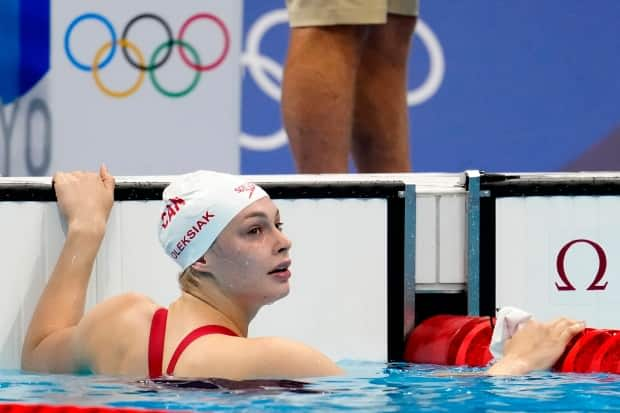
(283, 243)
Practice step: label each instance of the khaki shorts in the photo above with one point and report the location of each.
(333, 12)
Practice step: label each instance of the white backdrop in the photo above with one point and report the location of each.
(338, 299)
(549, 251)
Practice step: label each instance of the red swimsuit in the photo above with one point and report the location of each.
(156, 342)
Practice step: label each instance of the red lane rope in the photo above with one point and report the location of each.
(456, 340)
(43, 408)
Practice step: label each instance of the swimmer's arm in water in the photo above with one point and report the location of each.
(255, 358)
(536, 346)
(85, 200)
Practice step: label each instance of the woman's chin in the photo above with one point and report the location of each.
(283, 292)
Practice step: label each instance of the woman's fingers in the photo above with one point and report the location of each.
(572, 330)
(78, 192)
(565, 328)
(104, 175)
(56, 178)
(559, 325)
(60, 179)
(108, 180)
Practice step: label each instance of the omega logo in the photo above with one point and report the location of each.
(597, 282)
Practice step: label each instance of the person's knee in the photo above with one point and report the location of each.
(400, 28)
(346, 37)
(392, 40)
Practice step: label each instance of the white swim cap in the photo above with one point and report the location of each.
(197, 207)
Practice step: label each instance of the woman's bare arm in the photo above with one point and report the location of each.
(85, 200)
(536, 346)
(240, 358)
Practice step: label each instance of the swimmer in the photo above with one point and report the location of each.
(226, 236)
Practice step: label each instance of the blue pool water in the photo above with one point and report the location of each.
(366, 387)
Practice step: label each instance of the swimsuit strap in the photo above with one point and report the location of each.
(193, 335)
(156, 342)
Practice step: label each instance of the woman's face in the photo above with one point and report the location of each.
(250, 259)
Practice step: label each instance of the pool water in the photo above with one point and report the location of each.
(367, 386)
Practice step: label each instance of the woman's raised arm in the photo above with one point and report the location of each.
(85, 199)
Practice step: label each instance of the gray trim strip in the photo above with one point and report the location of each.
(473, 242)
(409, 268)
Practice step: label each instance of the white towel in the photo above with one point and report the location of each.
(508, 321)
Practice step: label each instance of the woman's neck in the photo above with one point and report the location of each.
(211, 303)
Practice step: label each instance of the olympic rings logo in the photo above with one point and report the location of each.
(161, 54)
(264, 70)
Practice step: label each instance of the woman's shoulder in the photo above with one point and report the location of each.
(128, 311)
(131, 300)
(114, 333)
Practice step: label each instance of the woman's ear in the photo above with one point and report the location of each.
(200, 264)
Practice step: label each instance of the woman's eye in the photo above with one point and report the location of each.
(279, 225)
(255, 231)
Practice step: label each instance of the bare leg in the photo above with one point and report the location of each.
(381, 125)
(317, 95)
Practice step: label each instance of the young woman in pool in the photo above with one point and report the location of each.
(226, 235)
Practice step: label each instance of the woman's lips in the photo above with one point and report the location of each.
(282, 270)
(282, 275)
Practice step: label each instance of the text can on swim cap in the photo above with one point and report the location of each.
(197, 207)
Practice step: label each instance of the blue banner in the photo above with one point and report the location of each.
(525, 86)
(25, 41)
